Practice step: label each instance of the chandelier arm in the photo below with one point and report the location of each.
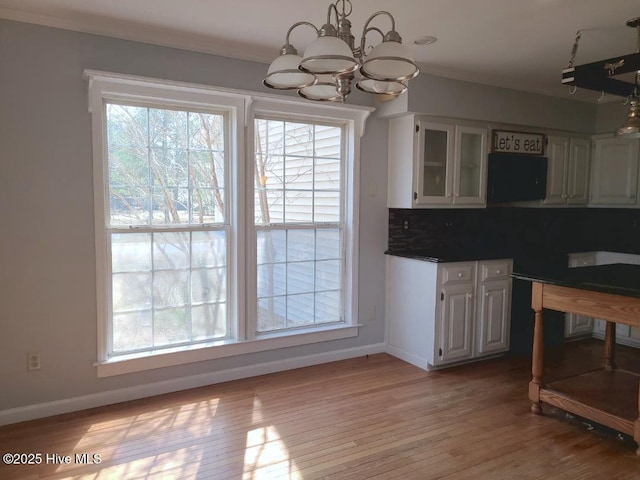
(363, 39)
(297, 24)
(378, 13)
(332, 8)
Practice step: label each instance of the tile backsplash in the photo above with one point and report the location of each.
(516, 230)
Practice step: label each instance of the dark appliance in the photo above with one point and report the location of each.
(516, 177)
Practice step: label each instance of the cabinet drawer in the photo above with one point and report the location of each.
(457, 273)
(495, 270)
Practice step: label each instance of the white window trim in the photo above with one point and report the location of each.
(109, 86)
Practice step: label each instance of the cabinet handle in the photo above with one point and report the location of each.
(486, 294)
(498, 272)
(469, 296)
(459, 274)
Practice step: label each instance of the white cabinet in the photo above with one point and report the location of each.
(456, 327)
(568, 171)
(436, 164)
(579, 326)
(445, 313)
(615, 171)
(494, 307)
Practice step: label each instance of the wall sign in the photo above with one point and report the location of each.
(517, 142)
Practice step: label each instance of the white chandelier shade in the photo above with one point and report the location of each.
(324, 90)
(284, 74)
(328, 55)
(391, 62)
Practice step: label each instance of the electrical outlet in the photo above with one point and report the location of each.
(33, 361)
(405, 224)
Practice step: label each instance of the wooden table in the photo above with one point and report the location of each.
(608, 395)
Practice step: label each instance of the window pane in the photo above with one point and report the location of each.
(300, 310)
(207, 206)
(209, 321)
(132, 331)
(300, 277)
(298, 207)
(170, 206)
(131, 291)
(327, 174)
(171, 326)
(127, 126)
(272, 246)
(209, 285)
(272, 280)
(208, 249)
(298, 173)
(328, 307)
(326, 207)
(171, 250)
(170, 288)
(169, 167)
(328, 141)
(272, 314)
(131, 252)
(167, 129)
(327, 275)
(300, 245)
(130, 206)
(328, 244)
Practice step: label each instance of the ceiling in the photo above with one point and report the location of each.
(520, 44)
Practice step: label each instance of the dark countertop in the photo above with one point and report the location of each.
(445, 255)
(617, 278)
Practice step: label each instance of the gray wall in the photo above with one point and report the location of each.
(47, 277)
(611, 115)
(438, 96)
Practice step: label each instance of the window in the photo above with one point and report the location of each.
(188, 267)
(299, 223)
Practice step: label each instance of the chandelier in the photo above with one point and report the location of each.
(605, 76)
(331, 63)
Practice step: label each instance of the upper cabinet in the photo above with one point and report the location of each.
(568, 171)
(436, 164)
(615, 171)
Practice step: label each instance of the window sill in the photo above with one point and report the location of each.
(167, 358)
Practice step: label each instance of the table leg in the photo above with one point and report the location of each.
(610, 346)
(537, 360)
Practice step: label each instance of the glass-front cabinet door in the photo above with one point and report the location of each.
(470, 175)
(434, 164)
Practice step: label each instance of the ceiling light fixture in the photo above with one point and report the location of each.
(330, 63)
(601, 77)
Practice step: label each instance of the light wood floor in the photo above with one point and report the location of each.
(366, 418)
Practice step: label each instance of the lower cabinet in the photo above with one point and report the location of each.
(445, 313)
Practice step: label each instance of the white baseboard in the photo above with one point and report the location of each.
(32, 412)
